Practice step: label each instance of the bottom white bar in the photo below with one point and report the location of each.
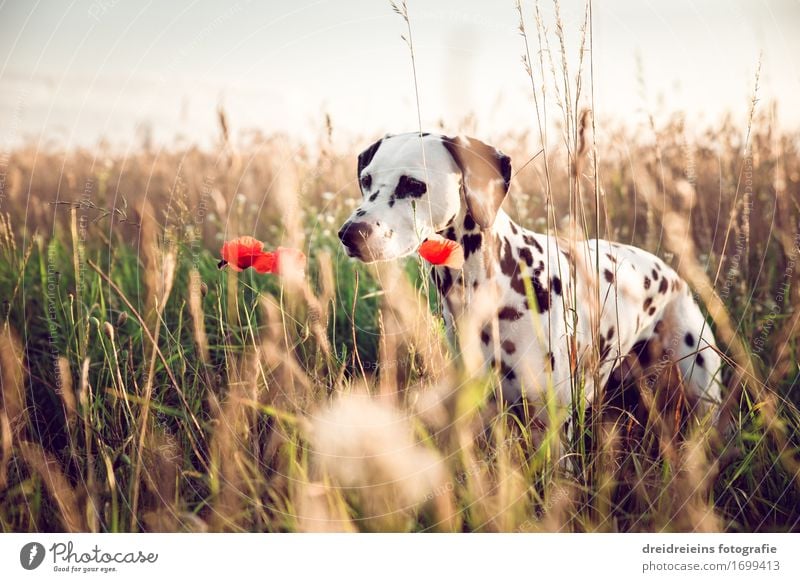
(407, 557)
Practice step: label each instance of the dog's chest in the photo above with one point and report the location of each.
(510, 274)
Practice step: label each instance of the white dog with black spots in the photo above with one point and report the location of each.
(417, 185)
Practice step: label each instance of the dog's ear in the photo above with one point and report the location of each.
(365, 157)
(486, 175)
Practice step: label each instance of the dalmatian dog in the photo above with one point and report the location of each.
(415, 185)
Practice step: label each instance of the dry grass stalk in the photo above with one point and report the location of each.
(689, 491)
(163, 288)
(161, 460)
(12, 377)
(286, 385)
(13, 414)
(148, 248)
(407, 324)
(58, 486)
(66, 393)
(369, 449)
(320, 508)
(233, 420)
(198, 316)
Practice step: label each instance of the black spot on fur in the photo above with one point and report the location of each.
(374, 196)
(407, 187)
(663, 286)
(450, 234)
(542, 293)
(643, 352)
(365, 157)
(508, 347)
(646, 282)
(655, 274)
(689, 339)
(531, 241)
(526, 255)
(651, 311)
(611, 257)
(485, 336)
(700, 360)
(605, 348)
(471, 243)
(659, 327)
(361, 212)
(510, 267)
(513, 227)
(366, 182)
(556, 285)
(443, 280)
(509, 313)
(469, 222)
(647, 303)
(610, 334)
(506, 373)
(608, 275)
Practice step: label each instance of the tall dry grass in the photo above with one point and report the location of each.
(143, 389)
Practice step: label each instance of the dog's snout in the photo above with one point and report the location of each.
(354, 234)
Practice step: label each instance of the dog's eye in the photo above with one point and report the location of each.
(366, 181)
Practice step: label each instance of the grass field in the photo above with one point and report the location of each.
(144, 389)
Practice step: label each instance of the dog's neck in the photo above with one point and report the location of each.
(481, 257)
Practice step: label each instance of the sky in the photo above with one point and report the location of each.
(72, 72)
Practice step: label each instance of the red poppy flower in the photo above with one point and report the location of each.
(245, 252)
(438, 250)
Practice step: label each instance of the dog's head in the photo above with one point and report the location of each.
(415, 185)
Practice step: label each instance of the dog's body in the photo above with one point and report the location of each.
(544, 328)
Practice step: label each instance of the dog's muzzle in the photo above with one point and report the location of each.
(354, 236)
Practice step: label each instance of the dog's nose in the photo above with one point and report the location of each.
(354, 234)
